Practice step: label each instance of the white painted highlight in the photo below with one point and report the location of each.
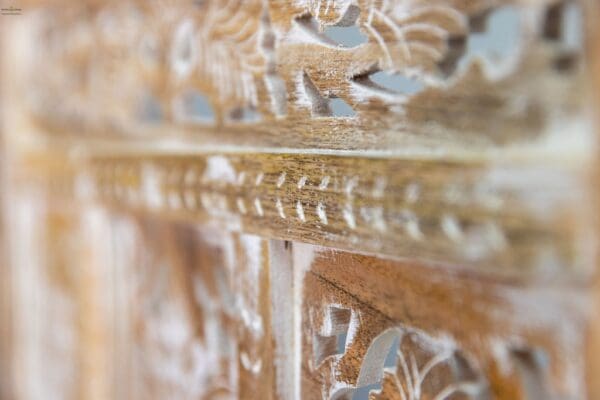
(241, 178)
(151, 186)
(302, 182)
(411, 225)
(348, 214)
(374, 217)
(300, 211)
(219, 170)
(279, 207)
(281, 179)
(259, 179)
(321, 213)
(253, 366)
(452, 228)
(241, 206)
(258, 207)
(324, 182)
(283, 320)
(350, 185)
(303, 258)
(184, 52)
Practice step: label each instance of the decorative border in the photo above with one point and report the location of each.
(513, 220)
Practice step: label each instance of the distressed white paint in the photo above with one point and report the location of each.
(322, 213)
(151, 186)
(283, 320)
(219, 170)
(303, 258)
(279, 207)
(300, 211)
(249, 284)
(281, 179)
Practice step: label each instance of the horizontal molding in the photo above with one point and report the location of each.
(514, 220)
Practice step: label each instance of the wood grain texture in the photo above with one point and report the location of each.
(333, 199)
(480, 338)
(484, 162)
(270, 68)
(520, 220)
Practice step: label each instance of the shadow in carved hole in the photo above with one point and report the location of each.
(494, 38)
(532, 366)
(388, 84)
(244, 115)
(563, 26)
(413, 366)
(321, 106)
(149, 109)
(563, 23)
(335, 331)
(192, 107)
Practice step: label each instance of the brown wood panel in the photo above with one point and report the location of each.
(435, 332)
(308, 199)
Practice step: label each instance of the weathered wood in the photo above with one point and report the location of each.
(464, 76)
(482, 334)
(519, 219)
(388, 199)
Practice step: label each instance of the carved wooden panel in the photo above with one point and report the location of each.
(200, 315)
(305, 199)
(404, 333)
(364, 74)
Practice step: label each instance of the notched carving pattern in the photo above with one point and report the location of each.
(474, 217)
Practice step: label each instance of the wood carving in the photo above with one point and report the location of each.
(202, 316)
(398, 332)
(461, 214)
(299, 199)
(414, 65)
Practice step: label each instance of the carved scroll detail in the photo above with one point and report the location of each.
(262, 63)
(414, 366)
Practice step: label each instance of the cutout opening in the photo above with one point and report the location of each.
(331, 106)
(149, 109)
(563, 26)
(494, 36)
(333, 342)
(345, 36)
(247, 115)
(388, 84)
(563, 23)
(397, 83)
(532, 366)
(363, 393)
(193, 107)
(341, 109)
